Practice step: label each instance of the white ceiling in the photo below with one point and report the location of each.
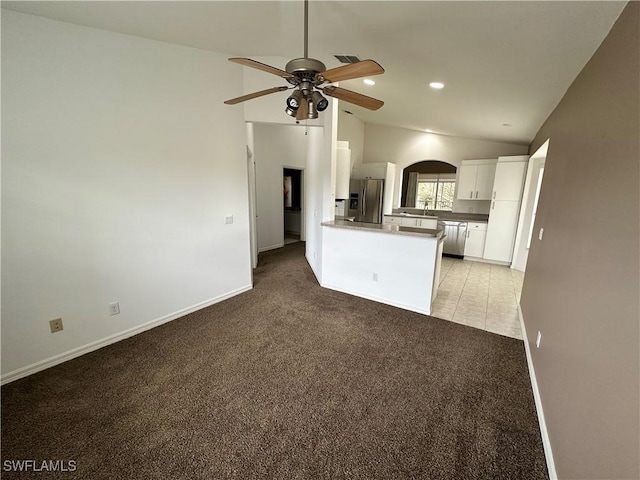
(502, 62)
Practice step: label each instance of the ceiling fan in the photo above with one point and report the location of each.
(308, 75)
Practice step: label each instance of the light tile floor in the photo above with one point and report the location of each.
(480, 295)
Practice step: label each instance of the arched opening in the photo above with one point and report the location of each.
(429, 184)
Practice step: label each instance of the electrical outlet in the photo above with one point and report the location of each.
(375, 277)
(114, 308)
(538, 339)
(56, 325)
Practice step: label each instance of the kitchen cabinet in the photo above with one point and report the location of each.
(475, 179)
(431, 223)
(476, 236)
(501, 231)
(509, 177)
(505, 208)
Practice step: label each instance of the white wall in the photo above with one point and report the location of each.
(404, 266)
(120, 162)
(406, 147)
(351, 129)
(276, 147)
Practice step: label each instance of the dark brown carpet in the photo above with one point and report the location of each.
(286, 381)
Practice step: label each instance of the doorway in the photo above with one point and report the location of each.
(530, 197)
(292, 204)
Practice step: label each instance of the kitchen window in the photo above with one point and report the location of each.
(436, 190)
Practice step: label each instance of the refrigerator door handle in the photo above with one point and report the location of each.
(363, 190)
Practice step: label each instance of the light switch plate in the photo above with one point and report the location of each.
(541, 234)
(228, 219)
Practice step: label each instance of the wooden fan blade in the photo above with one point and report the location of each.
(365, 68)
(261, 93)
(303, 110)
(247, 62)
(353, 97)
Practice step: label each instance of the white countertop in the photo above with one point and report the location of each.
(393, 229)
(410, 215)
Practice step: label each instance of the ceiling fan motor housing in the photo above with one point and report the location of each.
(305, 68)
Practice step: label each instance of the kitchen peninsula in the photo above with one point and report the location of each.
(390, 264)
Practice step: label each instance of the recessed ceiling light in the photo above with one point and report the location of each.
(429, 130)
(436, 85)
(369, 82)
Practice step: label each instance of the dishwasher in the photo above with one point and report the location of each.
(455, 237)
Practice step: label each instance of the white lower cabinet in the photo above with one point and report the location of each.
(409, 222)
(476, 236)
(501, 231)
(431, 223)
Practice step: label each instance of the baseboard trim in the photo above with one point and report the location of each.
(90, 347)
(551, 467)
(270, 247)
(376, 299)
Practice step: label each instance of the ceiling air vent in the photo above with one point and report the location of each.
(345, 58)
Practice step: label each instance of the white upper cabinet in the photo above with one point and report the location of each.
(475, 179)
(484, 181)
(467, 175)
(362, 171)
(509, 178)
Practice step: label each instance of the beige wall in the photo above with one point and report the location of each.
(581, 285)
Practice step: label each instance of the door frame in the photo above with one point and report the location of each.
(303, 235)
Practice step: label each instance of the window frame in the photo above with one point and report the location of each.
(438, 179)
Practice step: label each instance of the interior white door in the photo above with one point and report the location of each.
(501, 231)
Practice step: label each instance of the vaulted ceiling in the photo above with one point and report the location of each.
(505, 65)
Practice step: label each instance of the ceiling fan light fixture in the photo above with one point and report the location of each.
(308, 74)
(313, 112)
(368, 81)
(290, 112)
(437, 85)
(294, 101)
(319, 101)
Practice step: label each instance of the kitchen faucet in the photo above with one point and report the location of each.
(426, 209)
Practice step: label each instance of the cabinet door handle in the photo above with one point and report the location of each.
(494, 195)
(467, 233)
(476, 194)
(493, 205)
(471, 194)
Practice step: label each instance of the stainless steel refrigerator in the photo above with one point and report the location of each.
(365, 200)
